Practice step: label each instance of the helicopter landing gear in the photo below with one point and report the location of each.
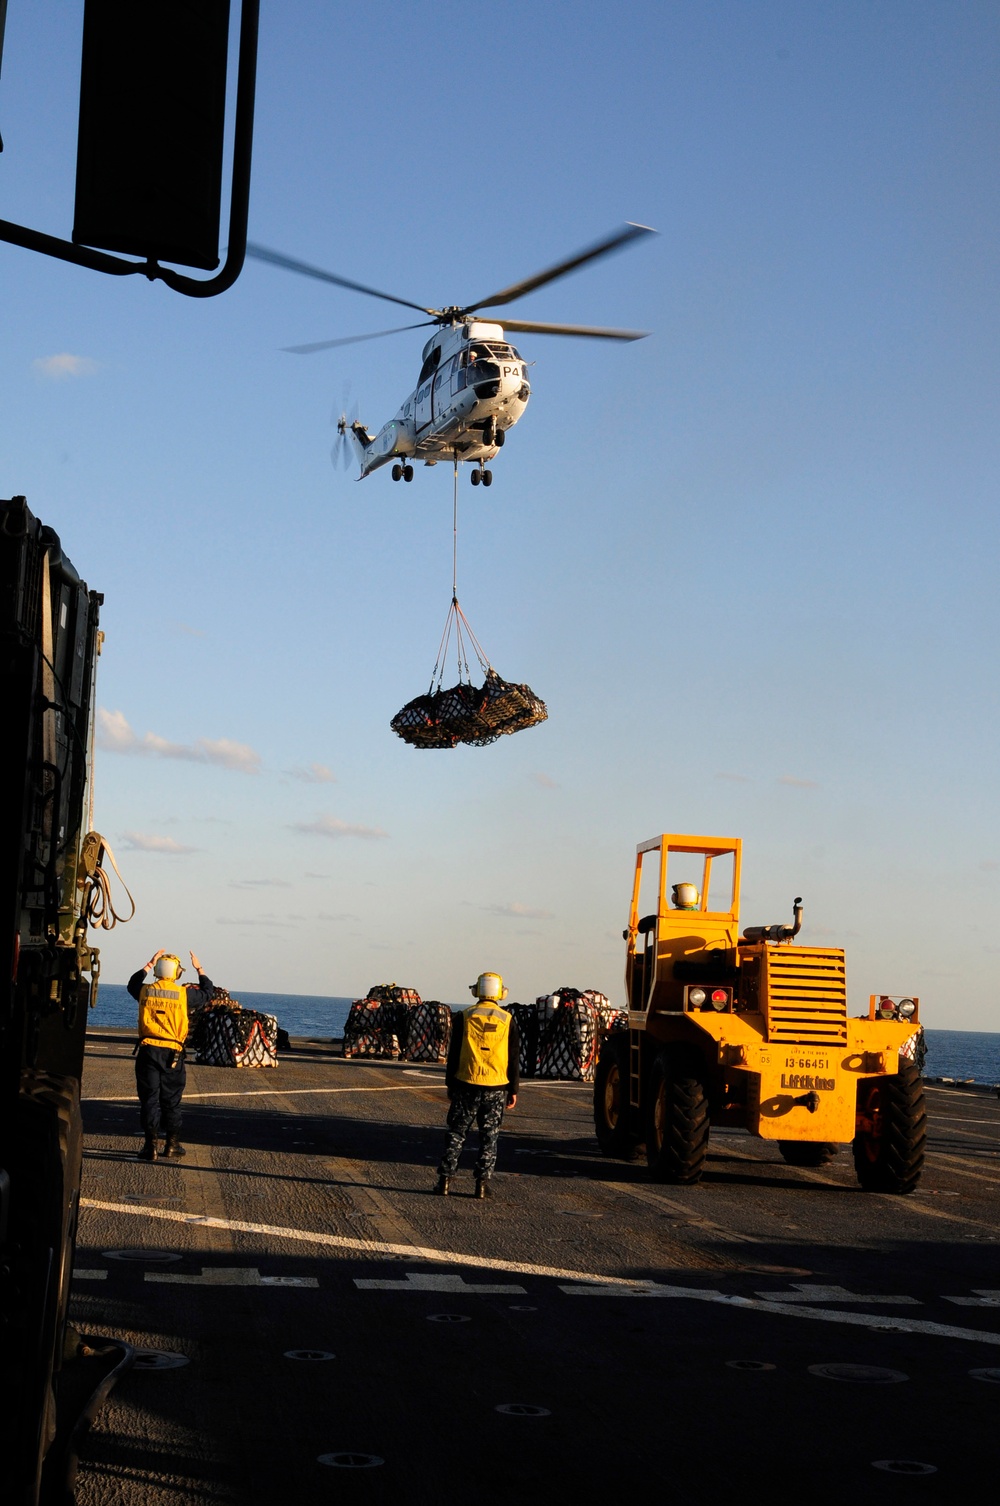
(402, 473)
(499, 437)
(407, 473)
(485, 476)
(489, 432)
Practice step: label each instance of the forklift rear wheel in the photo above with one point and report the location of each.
(611, 1097)
(891, 1131)
(677, 1122)
(807, 1152)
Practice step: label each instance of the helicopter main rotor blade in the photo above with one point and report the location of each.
(278, 259)
(308, 350)
(529, 327)
(610, 243)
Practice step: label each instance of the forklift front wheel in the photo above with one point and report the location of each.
(891, 1131)
(677, 1122)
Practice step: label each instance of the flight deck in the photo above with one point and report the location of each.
(313, 1324)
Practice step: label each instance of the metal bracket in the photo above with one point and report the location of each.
(239, 206)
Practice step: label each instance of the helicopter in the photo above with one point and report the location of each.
(473, 385)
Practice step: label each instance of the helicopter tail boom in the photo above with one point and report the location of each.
(394, 440)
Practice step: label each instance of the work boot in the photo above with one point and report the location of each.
(173, 1147)
(483, 1188)
(443, 1185)
(148, 1152)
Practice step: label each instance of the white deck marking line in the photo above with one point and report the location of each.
(416, 1281)
(804, 1291)
(792, 1310)
(401, 1087)
(583, 1283)
(231, 1275)
(371, 1247)
(90, 1275)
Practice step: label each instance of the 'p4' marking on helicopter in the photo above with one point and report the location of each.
(473, 385)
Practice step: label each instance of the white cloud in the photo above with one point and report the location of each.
(58, 368)
(545, 781)
(516, 911)
(798, 784)
(265, 883)
(314, 773)
(142, 842)
(267, 922)
(734, 778)
(332, 826)
(115, 735)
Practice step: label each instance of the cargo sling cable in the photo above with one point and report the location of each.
(464, 713)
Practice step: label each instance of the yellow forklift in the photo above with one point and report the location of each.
(748, 1029)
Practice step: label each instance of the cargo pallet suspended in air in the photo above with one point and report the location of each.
(466, 713)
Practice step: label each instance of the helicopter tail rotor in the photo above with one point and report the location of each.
(342, 454)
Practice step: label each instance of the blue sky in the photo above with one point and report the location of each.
(748, 562)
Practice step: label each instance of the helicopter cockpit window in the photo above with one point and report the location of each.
(430, 365)
(482, 364)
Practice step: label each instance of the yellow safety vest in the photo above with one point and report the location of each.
(163, 1014)
(482, 1061)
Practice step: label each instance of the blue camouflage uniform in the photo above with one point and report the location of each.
(482, 1105)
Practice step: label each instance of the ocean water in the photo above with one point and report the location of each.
(299, 1014)
(961, 1054)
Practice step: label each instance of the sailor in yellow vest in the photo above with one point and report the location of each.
(482, 1076)
(159, 1062)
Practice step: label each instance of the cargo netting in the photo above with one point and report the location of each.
(428, 1032)
(224, 1034)
(561, 1032)
(379, 1024)
(466, 713)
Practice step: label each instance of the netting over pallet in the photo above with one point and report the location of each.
(561, 1032)
(229, 1036)
(466, 713)
(369, 1030)
(428, 1032)
(378, 1025)
(526, 1016)
(569, 1037)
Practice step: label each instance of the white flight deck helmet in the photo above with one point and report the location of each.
(686, 897)
(168, 967)
(489, 987)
